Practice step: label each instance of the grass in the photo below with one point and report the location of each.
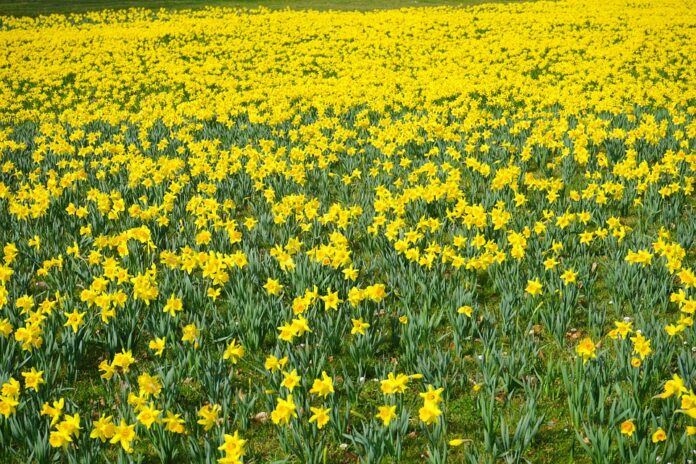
(45, 7)
(557, 442)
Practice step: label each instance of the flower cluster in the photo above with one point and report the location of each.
(442, 234)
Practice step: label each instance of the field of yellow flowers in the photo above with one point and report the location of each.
(450, 234)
